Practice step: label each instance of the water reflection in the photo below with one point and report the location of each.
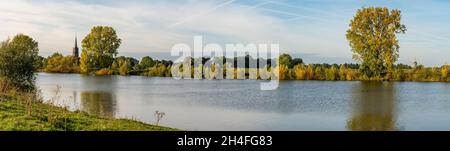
(98, 103)
(373, 107)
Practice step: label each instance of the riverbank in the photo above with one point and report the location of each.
(22, 114)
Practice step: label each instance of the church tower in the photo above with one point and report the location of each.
(75, 49)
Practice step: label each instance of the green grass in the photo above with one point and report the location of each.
(18, 115)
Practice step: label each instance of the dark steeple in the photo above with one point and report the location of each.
(75, 49)
(76, 43)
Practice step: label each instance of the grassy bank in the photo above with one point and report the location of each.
(17, 113)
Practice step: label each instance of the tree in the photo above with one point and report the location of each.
(372, 37)
(319, 73)
(159, 69)
(17, 59)
(282, 72)
(124, 65)
(61, 64)
(286, 59)
(444, 72)
(40, 63)
(300, 72)
(310, 72)
(85, 62)
(99, 48)
(147, 62)
(297, 61)
(342, 72)
(124, 69)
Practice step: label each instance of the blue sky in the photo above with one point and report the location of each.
(311, 29)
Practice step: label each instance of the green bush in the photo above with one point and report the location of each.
(17, 59)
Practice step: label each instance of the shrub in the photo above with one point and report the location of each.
(103, 71)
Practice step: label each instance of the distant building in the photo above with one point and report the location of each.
(75, 49)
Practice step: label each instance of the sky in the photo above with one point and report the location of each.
(311, 29)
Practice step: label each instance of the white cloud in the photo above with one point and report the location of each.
(144, 27)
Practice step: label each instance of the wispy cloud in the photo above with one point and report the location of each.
(189, 18)
(309, 9)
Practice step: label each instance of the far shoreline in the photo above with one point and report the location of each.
(93, 75)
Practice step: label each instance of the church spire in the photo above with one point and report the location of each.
(75, 49)
(76, 43)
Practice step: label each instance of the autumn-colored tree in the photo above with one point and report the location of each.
(444, 72)
(85, 62)
(372, 37)
(61, 64)
(99, 48)
(342, 72)
(282, 71)
(300, 72)
(331, 73)
(310, 72)
(319, 73)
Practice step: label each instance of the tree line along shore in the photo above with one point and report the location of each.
(289, 69)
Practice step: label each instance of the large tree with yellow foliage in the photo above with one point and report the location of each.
(372, 37)
(99, 48)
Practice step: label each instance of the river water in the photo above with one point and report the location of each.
(241, 105)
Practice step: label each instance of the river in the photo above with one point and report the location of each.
(241, 105)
